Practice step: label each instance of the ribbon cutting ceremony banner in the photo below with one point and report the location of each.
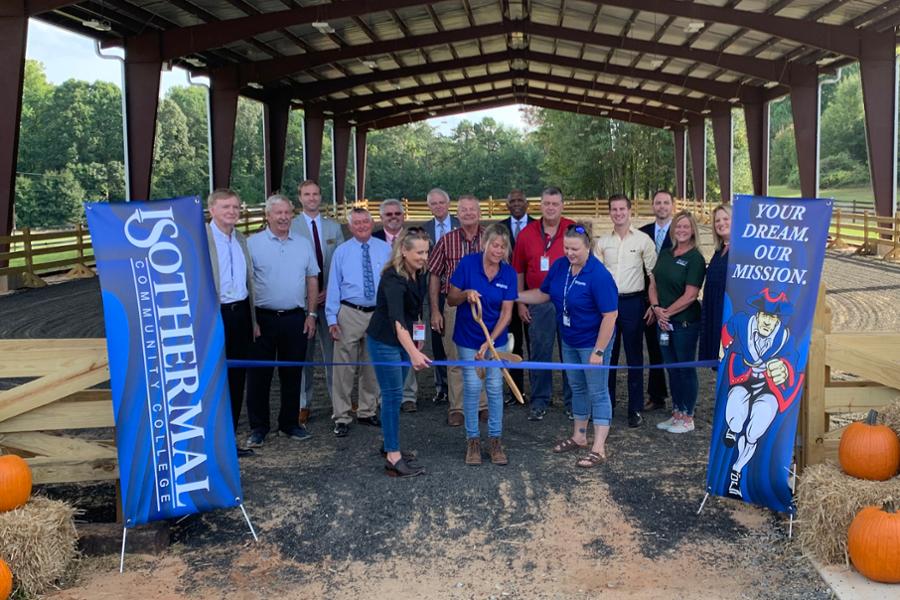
(165, 340)
(774, 267)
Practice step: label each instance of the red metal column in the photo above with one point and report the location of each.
(697, 141)
(223, 100)
(756, 117)
(142, 73)
(805, 108)
(879, 84)
(13, 34)
(341, 150)
(721, 124)
(313, 129)
(680, 164)
(275, 116)
(361, 147)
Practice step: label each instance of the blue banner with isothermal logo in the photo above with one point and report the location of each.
(774, 267)
(165, 340)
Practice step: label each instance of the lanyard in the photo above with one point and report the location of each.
(567, 287)
(544, 236)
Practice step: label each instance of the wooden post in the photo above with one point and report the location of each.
(29, 279)
(836, 241)
(813, 420)
(894, 253)
(79, 270)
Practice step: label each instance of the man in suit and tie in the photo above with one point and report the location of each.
(392, 219)
(233, 276)
(325, 235)
(517, 205)
(658, 231)
(439, 225)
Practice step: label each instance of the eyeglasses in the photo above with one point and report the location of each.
(577, 229)
(393, 214)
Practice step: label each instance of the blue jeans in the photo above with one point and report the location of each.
(590, 388)
(682, 382)
(493, 384)
(390, 380)
(630, 333)
(542, 333)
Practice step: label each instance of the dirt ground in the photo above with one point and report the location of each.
(331, 525)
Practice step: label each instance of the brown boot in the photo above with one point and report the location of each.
(498, 456)
(473, 451)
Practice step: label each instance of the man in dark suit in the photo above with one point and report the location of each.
(517, 205)
(658, 231)
(439, 225)
(392, 219)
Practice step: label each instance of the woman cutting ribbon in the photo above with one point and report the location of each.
(586, 300)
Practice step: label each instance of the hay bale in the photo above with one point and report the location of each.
(38, 541)
(827, 501)
(890, 415)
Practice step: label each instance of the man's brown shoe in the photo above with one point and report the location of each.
(498, 456)
(473, 451)
(455, 419)
(304, 416)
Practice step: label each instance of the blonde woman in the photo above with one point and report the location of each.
(674, 286)
(714, 287)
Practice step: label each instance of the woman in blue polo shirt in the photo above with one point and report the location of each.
(587, 301)
(488, 277)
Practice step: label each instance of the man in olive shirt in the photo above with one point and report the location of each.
(626, 253)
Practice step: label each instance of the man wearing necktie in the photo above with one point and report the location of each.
(658, 231)
(353, 281)
(324, 234)
(517, 205)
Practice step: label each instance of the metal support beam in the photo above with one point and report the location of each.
(722, 140)
(361, 149)
(275, 125)
(340, 156)
(697, 141)
(142, 73)
(805, 109)
(313, 130)
(756, 117)
(224, 92)
(13, 35)
(878, 68)
(680, 163)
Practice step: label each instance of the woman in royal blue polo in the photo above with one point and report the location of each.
(488, 277)
(587, 301)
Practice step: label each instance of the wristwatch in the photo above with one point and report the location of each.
(313, 314)
(598, 352)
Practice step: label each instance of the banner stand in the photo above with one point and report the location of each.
(125, 535)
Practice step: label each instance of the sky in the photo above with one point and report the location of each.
(67, 55)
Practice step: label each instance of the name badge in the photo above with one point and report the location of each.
(681, 262)
(545, 263)
(418, 332)
(567, 321)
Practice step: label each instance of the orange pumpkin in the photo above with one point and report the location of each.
(5, 581)
(15, 482)
(869, 451)
(873, 541)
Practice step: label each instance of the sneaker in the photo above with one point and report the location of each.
(635, 420)
(669, 422)
(473, 451)
(298, 433)
(537, 414)
(341, 430)
(256, 440)
(439, 397)
(408, 406)
(681, 426)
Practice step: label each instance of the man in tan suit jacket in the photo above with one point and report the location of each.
(233, 276)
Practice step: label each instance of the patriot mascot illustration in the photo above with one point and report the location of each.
(761, 367)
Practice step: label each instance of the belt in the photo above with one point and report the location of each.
(631, 295)
(365, 309)
(235, 305)
(682, 323)
(278, 313)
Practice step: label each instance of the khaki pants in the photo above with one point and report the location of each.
(352, 348)
(454, 374)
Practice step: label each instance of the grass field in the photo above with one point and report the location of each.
(862, 195)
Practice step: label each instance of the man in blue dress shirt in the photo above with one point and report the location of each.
(285, 281)
(353, 281)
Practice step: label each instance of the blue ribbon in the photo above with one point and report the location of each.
(487, 364)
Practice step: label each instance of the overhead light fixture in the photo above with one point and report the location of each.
(667, 127)
(770, 84)
(683, 121)
(519, 64)
(254, 85)
(323, 27)
(396, 84)
(97, 25)
(705, 111)
(694, 26)
(194, 62)
(432, 113)
(519, 81)
(370, 64)
(656, 63)
(417, 102)
(734, 100)
(604, 112)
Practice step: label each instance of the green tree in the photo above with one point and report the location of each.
(51, 201)
(173, 155)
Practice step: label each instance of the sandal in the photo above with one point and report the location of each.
(591, 460)
(568, 446)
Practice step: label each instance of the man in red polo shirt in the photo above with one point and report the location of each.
(538, 245)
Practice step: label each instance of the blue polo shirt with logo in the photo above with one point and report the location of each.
(470, 275)
(591, 293)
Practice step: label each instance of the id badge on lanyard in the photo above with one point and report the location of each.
(545, 263)
(567, 322)
(418, 332)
